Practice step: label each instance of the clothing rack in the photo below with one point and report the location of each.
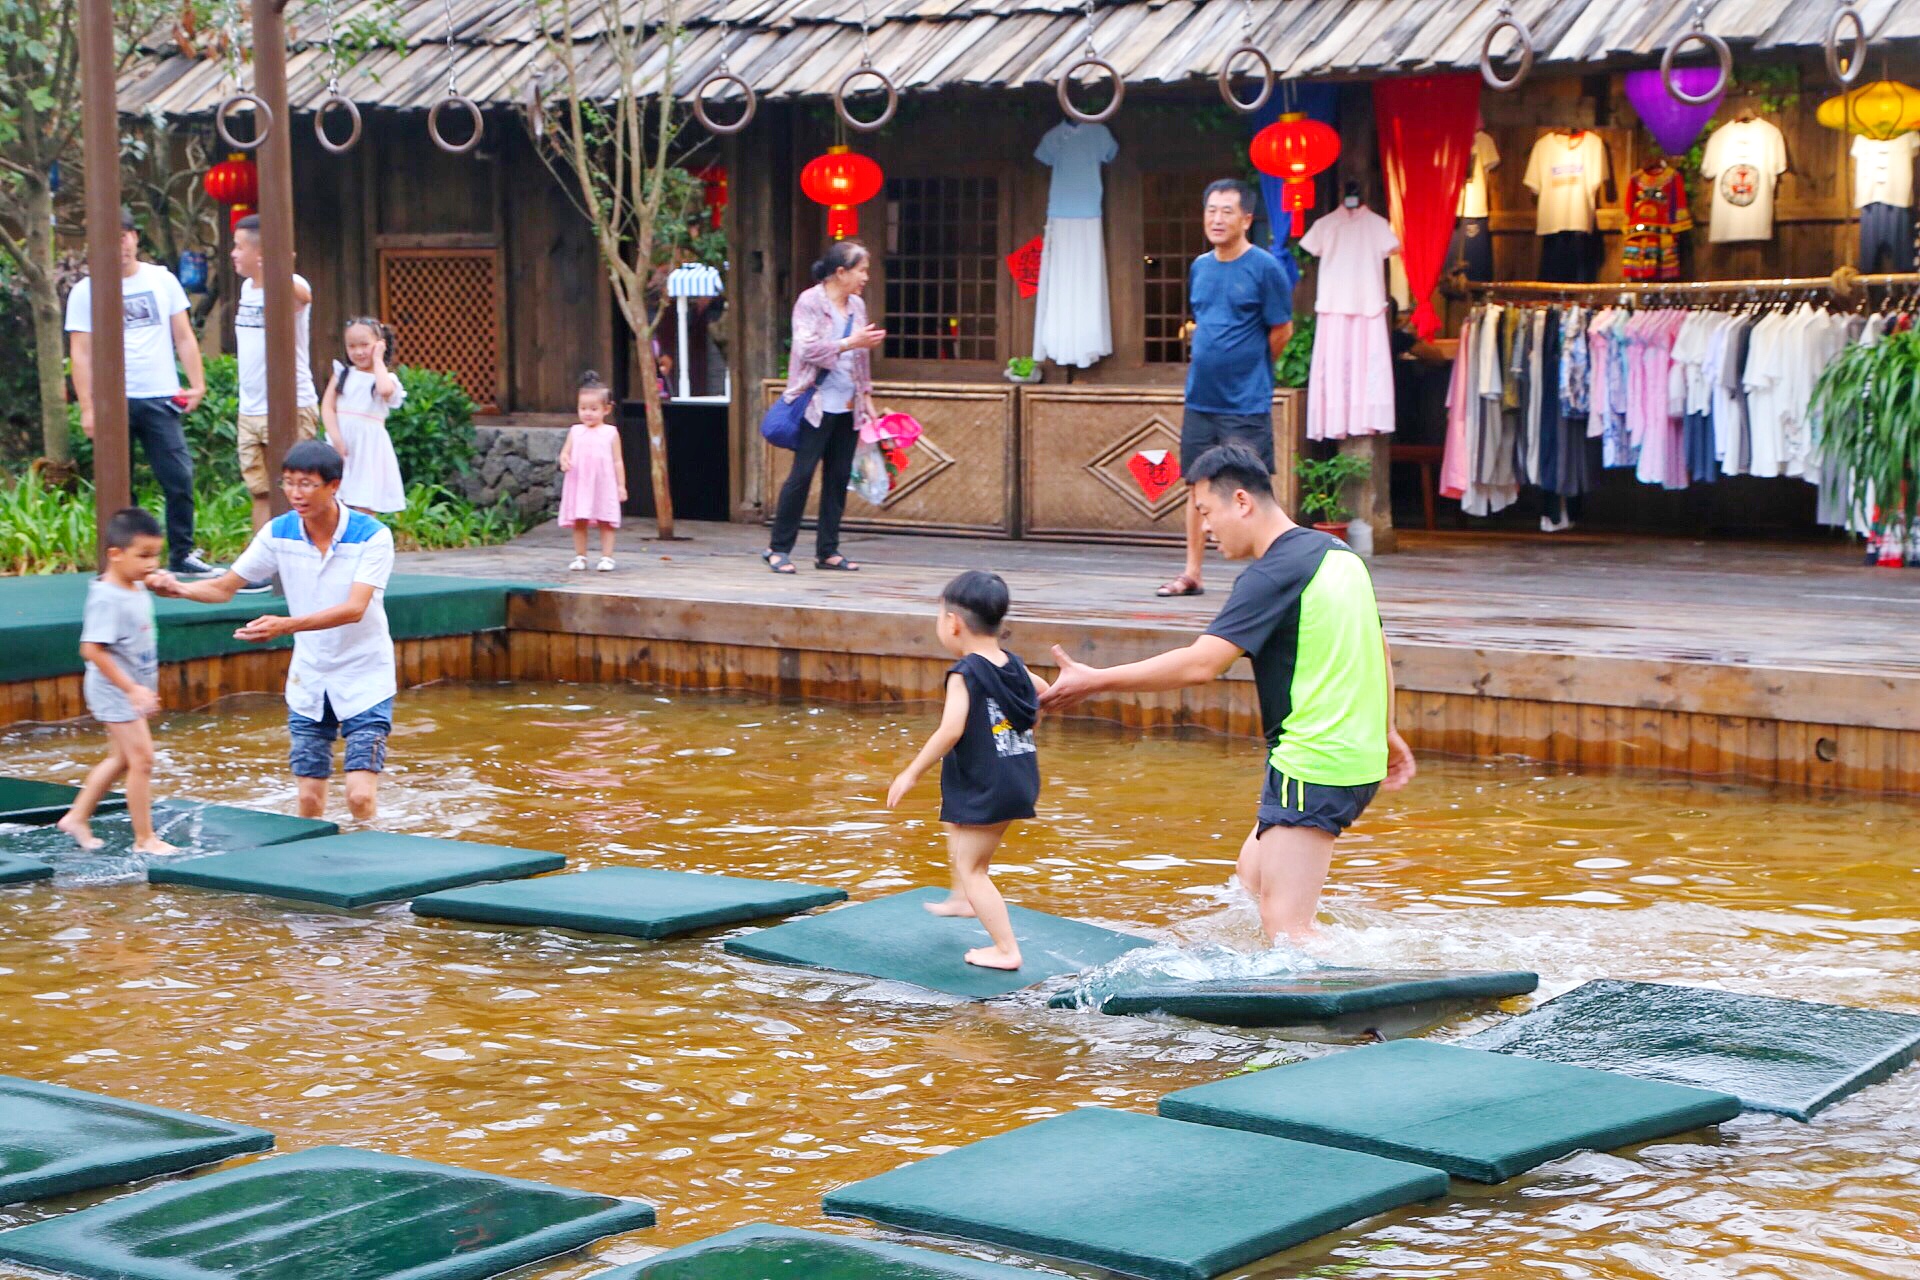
(1843, 282)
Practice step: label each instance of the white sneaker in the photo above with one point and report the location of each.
(605, 565)
(576, 564)
(1550, 525)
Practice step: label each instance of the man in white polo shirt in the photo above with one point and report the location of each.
(334, 564)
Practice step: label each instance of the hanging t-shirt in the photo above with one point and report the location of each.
(1352, 245)
(1567, 170)
(1075, 153)
(1484, 156)
(150, 298)
(1744, 160)
(250, 350)
(1883, 170)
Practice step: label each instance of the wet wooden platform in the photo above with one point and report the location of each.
(1778, 663)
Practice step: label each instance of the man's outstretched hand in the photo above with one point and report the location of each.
(1074, 685)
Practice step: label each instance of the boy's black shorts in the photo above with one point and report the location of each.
(1289, 802)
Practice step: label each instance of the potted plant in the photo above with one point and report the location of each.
(1323, 485)
(1867, 407)
(1023, 369)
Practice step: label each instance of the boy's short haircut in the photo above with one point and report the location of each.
(314, 458)
(1230, 466)
(249, 223)
(129, 523)
(979, 599)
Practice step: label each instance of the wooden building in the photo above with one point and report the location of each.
(486, 269)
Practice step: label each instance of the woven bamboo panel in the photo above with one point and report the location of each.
(1087, 454)
(443, 305)
(960, 478)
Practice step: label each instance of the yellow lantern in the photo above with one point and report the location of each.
(1884, 109)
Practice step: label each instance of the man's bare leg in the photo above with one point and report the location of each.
(1290, 869)
(363, 794)
(313, 797)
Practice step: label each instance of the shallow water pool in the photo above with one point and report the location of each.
(725, 1091)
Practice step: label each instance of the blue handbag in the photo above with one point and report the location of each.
(785, 419)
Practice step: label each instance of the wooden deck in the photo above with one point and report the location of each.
(1791, 664)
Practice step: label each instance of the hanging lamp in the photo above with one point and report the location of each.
(842, 180)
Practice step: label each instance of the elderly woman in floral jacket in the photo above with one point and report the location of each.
(832, 342)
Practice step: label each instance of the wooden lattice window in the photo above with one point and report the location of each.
(943, 268)
(1173, 237)
(442, 304)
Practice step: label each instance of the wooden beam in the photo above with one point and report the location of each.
(276, 237)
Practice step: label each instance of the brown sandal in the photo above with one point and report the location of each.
(1180, 586)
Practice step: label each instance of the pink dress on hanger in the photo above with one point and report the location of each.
(1456, 463)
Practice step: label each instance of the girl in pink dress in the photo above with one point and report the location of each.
(596, 482)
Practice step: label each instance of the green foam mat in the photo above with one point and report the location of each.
(1138, 1194)
(357, 869)
(1786, 1056)
(782, 1253)
(1299, 999)
(330, 1213)
(15, 870)
(1478, 1115)
(194, 827)
(55, 1140)
(895, 938)
(640, 902)
(40, 618)
(32, 801)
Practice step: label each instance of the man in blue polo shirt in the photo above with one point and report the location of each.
(1242, 305)
(334, 564)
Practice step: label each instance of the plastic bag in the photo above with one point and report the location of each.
(901, 428)
(869, 478)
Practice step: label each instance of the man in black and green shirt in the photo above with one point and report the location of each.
(1304, 614)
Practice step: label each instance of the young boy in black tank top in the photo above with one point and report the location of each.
(991, 774)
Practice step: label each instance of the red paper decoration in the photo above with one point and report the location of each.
(713, 182)
(1155, 471)
(235, 182)
(1023, 264)
(841, 180)
(1295, 149)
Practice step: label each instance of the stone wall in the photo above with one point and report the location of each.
(520, 464)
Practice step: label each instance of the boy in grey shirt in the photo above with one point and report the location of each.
(118, 641)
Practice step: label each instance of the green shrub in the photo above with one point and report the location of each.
(436, 519)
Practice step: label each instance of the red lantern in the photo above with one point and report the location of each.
(233, 181)
(841, 180)
(713, 183)
(1295, 149)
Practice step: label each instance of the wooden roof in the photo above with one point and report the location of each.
(802, 48)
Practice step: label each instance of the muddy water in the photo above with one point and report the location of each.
(727, 1092)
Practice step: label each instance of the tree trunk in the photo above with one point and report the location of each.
(656, 436)
(48, 331)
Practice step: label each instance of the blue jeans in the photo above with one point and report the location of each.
(310, 750)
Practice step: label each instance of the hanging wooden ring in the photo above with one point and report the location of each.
(1107, 112)
(263, 121)
(1521, 37)
(1856, 61)
(465, 104)
(879, 121)
(1259, 100)
(1721, 54)
(699, 104)
(336, 102)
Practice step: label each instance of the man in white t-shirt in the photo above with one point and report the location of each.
(250, 353)
(334, 563)
(1744, 160)
(158, 331)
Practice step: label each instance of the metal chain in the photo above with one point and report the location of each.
(333, 52)
(1246, 20)
(726, 38)
(453, 59)
(1699, 15)
(866, 50)
(1093, 50)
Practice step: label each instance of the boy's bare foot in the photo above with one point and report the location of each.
(950, 907)
(993, 958)
(154, 846)
(81, 832)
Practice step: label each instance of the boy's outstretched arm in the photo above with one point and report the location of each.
(953, 723)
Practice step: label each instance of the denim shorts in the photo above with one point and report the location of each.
(310, 750)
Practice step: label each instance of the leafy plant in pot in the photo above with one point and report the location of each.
(1023, 369)
(1323, 487)
(1867, 405)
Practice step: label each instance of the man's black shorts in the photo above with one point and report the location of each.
(1289, 802)
(1200, 431)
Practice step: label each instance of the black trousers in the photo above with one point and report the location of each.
(833, 443)
(156, 425)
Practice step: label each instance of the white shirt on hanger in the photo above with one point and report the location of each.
(1567, 171)
(1745, 160)
(1482, 157)
(1352, 245)
(1883, 170)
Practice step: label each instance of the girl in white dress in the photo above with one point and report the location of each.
(358, 398)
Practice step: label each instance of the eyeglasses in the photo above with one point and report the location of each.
(301, 484)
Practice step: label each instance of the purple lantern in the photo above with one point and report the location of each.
(1673, 124)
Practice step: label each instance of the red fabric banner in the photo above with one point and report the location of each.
(1426, 136)
(1023, 264)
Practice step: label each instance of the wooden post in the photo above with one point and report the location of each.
(276, 238)
(100, 127)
